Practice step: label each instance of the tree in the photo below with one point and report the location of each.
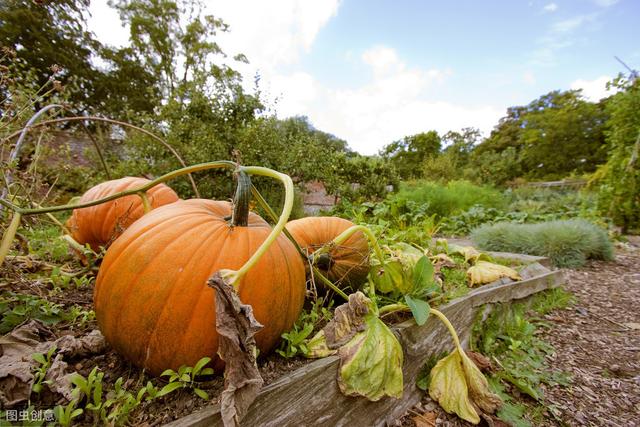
(43, 34)
(408, 154)
(54, 33)
(619, 191)
(555, 135)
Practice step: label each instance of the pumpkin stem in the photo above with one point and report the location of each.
(274, 217)
(145, 201)
(171, 175)
(9, 235)
(286, 181)
(449, 326)
(240, 216)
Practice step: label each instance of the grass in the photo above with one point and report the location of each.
(568, 243)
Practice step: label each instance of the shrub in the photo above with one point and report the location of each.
(445, 200)
(568, 243)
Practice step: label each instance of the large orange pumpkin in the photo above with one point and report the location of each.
(151, 297)
(346, 264)
(101, 224)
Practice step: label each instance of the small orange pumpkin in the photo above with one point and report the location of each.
(101, 224)
(151, 297)
(346, 264)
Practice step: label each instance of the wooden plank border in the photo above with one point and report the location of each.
(310, 396)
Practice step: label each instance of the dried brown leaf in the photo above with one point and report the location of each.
(481, 361)
(348, 320)
(236, 327)
(17, 362)
(427, 419)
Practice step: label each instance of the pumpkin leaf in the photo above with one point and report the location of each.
(422, 273)
(471, 254)
(478, 386)
(370, 354)
(316, 347)
(449, 388)
(419, 308)
(348, 320)
(486, 272)
(236, 327)
(371, 363)
(388, 278)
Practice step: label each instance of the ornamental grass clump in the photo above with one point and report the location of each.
(568, 243)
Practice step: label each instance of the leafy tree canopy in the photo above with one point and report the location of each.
(408, 154)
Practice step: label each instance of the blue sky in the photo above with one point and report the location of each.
(374, 71)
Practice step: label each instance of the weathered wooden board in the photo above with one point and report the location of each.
(310, 396)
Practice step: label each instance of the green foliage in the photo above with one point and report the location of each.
(509, 336)
(293, 342)
(65, 414)
(568, 243)
(63, 40)
(409, 153)
(450, 164)
(619, 178)
(555, 135)
(114, 408)
(44, 242)
(526, 205)
(40, 372)
(186, 376)
(16, 308)
(444, 200)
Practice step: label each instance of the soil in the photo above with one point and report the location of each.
(596, 340)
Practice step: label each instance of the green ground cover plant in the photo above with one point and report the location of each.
(509, 336)
(568, 243)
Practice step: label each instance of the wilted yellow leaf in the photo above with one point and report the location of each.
(479, 387)
(487, 272)
(449, 387)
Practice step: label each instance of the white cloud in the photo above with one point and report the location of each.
(551, 7)
(560, 35)
(593, 90)
(393, 101)
(271, 33)
(571, 24)
(396, 102)
(605, 3)
(529, 78)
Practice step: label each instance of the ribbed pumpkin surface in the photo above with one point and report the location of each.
(101, 224)
(348, 263)
(151, 297)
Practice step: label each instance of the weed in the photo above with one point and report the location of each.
(62, 281)
(118, 404)
(186, 376)
(40, 372)
(45, 243)
(293, 342)
(65, 414)
(509, 336)
(16, 308)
